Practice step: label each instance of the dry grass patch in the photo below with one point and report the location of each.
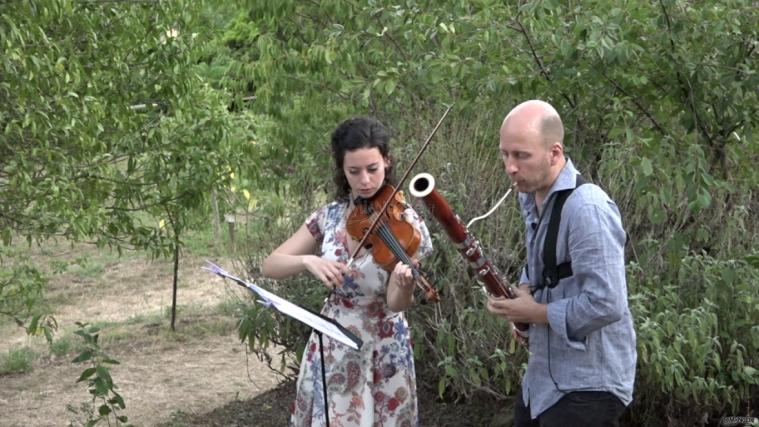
(192, 371)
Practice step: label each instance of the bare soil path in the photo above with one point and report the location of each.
(160, 377)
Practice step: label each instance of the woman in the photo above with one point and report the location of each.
(376, 385)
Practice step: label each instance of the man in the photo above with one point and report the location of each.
(581, 367)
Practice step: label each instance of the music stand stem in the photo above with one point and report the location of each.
(324, 377)
(319, 323)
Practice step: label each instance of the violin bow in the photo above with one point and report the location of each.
(398, 186)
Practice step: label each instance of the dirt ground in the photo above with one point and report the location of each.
(205, 381)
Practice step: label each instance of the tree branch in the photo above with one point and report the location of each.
(637, 104)
(685, 85)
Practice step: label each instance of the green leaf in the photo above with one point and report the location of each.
(117, 400)
(86, 374)
(390, 87)
(83, 356)
(752, 260)
(451, 371)
(750, 371)
(646, 167)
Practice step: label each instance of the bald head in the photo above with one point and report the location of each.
(531, 147)
(538, 118)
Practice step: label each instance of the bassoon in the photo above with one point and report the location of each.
(422, 186)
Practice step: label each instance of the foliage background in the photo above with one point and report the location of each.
(660, 104)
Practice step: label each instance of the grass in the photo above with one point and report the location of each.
(178, 418)
(78, 271)
(201, 242)
(63, 345)
(17, 360)
(194, 323)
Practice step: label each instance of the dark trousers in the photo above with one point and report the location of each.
(578, 408)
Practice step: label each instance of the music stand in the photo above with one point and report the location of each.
(318, 322)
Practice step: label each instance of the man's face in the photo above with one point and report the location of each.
(526, 159)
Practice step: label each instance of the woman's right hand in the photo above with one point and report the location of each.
(328, 272)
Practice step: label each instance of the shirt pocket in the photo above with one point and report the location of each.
(572, 362)
(566, 345)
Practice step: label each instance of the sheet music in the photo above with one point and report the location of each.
(320, 323)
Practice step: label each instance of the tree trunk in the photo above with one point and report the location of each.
(215, 220)
(176, 276)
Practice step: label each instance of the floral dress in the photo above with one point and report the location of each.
(376, 385)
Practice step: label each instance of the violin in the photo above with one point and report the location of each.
(379, 225)
(390, 233)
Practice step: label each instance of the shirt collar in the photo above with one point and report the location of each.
(566, 179)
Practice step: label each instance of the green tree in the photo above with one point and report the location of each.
(109, 134)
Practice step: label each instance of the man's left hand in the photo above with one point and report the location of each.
(522, 309)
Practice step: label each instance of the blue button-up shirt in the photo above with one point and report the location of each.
(589, 341)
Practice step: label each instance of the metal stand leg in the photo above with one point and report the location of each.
(324, 378)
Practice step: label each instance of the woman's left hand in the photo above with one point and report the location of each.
(400, 288)
(402, 277)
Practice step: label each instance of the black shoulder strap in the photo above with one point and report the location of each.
(552, 273)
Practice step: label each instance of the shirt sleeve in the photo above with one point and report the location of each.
(315, 224)
(523, 277)
(596, 247)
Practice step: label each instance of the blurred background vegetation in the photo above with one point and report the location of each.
(129, 124)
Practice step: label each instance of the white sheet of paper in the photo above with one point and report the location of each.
(292, 310)
(304, 316)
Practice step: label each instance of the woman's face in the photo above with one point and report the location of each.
(365, 170)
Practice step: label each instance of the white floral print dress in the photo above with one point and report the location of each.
(376, 385)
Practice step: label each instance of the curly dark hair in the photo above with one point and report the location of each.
(355, 133)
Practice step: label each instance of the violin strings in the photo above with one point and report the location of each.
(395, 246)
(392, 243)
